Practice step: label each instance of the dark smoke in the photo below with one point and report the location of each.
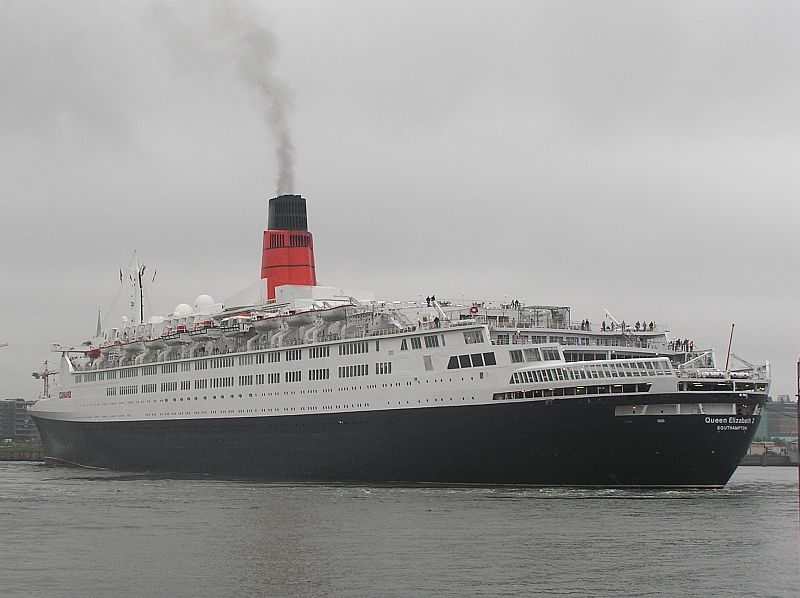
(255, 49)
(230, 33)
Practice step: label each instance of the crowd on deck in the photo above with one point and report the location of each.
(681, 345)
(640, 326)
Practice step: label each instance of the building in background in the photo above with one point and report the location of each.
(16, 424)
(779, 420)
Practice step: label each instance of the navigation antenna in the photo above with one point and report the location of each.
(44, 376)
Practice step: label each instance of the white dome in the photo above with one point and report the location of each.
(203, 301)
(182, 309)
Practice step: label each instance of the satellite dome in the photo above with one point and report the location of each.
(182, 309)
(203, 301)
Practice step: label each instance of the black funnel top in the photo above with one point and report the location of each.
(287, 212)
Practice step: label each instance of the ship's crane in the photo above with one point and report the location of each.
(44, 376)
(751, 366)
(745, 362)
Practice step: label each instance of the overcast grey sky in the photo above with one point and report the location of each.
(636, 156)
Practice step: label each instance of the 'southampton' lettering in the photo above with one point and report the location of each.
(730, 423)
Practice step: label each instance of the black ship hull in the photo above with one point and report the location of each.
(563, 442)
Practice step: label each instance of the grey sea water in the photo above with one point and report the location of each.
(72, 532)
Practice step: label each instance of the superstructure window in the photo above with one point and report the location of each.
(317, 352)
(431, 341)
(474, 360)
(319, 374)
(354, 348)
(550, 354)
(351, 371)
(532, 354)
(472, 337)
(516, 356)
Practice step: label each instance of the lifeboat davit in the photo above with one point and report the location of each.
(205, 334)
(237, 326)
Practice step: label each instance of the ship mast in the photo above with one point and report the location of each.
(139, 275)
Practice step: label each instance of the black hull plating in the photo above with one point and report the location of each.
(564, 442)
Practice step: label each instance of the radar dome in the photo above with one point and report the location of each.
(182, 310)
(203, 301)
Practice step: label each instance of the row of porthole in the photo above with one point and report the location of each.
(435, 400)
(267, 410)
(286, 393)
(285, 409)
(222, 397)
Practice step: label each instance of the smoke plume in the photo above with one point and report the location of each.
(255, 49)
(230, 34)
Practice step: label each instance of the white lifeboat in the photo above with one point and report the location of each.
(267, 322)
(171, 336)
(156, 344)
(301, 318)
(333, 314)
(133, 347)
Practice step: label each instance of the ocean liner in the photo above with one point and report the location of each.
(322, 384)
